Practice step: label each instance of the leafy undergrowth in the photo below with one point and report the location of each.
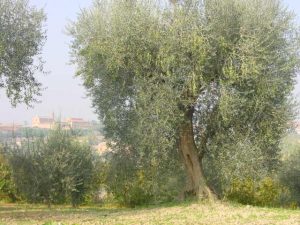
(183, 213)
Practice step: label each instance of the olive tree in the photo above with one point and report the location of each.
(184, 77)
(21, 39)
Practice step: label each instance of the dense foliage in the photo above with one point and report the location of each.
(195, 92)
(133, 180)
(265, 192)
(8, 189)
(21, 38)
(206, 80)
(290, 169)
(54, 169)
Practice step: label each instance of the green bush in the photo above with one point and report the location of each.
(127, 184)
(266, 192)
(133, 181)
(54, 170)
(8, 190)
(242, 191)
(137, 191)
(290, 173)
(271, 193)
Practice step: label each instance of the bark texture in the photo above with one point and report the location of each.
(196, 182)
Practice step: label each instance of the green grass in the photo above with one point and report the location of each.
(184, 213)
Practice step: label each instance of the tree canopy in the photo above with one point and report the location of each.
(21, 39)
(190, 77)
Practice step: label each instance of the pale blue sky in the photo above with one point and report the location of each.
(64, 94)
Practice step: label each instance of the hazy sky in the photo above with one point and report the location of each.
(65, 95)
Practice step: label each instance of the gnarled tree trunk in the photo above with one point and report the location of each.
(196, 182)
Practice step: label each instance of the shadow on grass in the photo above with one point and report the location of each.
(40, 212)
(38, 208)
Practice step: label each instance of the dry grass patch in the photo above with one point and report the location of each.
(219, 213)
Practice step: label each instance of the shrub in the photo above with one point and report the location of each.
(270, 193)
(7, 186)
(290, 173)
(126, 182)
(266, 192)
(242, 191)
(135, 181)
(55, 169)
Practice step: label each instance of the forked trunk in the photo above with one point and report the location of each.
(196, 182)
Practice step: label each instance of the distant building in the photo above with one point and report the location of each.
(43, 122)
(70, 123)
(10, 127)
(64, 125)
(78, 123)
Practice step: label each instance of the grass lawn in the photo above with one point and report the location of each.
(185, 213)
